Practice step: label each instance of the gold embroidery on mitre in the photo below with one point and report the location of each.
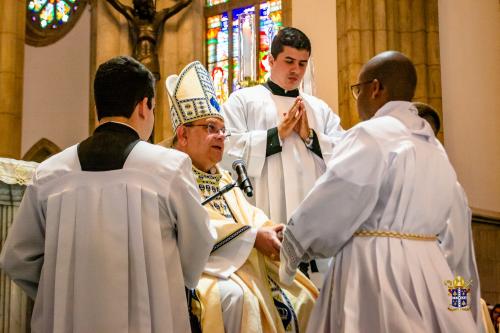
(192, 95)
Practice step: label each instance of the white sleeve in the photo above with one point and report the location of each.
(338, 204)
(23, 253)
(331, 134)
(243, 144)
(195, 236)
(232, 252)
(457, 245)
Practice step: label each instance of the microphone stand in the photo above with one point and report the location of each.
(223, 190)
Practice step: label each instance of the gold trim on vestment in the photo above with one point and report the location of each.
(394, 234)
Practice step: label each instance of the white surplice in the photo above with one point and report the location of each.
(110, 251)
(280, 181)
(387, 174)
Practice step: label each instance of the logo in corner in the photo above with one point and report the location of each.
(459, 290)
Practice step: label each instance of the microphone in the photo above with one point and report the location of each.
(243, 181)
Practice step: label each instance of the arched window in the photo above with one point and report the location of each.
(49, 20)
(238, 39)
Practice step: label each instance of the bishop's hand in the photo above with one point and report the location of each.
(268, 241)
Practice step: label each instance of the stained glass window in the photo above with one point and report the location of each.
(270, 22)
(47, 21)
(51, 14)
(245, 39)
(218, 53)
(237, 51)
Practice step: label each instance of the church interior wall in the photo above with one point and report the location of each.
(470, 67)
(56, 89)
(318, 20)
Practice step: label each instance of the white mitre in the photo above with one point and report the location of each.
(192, 95)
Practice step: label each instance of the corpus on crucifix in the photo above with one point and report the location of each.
(145, 27)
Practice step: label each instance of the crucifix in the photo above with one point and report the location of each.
(145, 27)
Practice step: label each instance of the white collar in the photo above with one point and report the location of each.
(406, 113)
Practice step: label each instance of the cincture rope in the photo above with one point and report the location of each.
(394, 234)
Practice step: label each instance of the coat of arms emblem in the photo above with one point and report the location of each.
(459, 290)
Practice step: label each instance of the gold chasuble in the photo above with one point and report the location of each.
(267, 305)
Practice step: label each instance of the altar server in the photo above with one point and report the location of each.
(104, 238)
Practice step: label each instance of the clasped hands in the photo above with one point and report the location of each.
(268, 240)
(295, 120)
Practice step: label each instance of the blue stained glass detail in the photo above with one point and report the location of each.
(52, 14)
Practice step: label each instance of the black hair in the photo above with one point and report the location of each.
(428, 113)
(120, 83)
(290, 37)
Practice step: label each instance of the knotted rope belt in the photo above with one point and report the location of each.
(394, 234)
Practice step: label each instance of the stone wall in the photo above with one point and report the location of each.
(368, 27)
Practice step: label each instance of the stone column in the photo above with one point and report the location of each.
(182, 43)
(109, 39)
(368, 27)
(12, 27)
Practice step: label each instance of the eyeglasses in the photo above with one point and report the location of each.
(212, 129)
(356, 88)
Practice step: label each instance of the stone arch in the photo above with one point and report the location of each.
(41, 150)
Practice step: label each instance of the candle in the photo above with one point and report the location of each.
(247, 47)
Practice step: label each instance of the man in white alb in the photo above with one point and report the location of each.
(112, 228)
(285, 136)
(390, 209)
